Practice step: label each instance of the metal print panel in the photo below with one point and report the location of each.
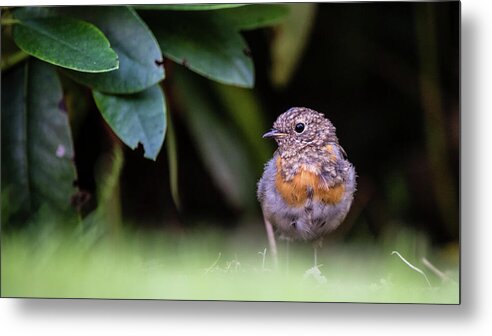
(247, 152)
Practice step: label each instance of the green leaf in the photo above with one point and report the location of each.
(254, 16)
(107, 174)
(209, 43)
(136, 118)
(184, 7)
(290, 40)
(66, 42)
(25, 13)
(139, 53)
(206, 44)
(172, 157)
(221, 149)
(245, 110)
(37, 150)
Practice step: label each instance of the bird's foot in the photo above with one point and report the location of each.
(314, 273)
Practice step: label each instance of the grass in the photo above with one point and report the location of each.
(213, 266)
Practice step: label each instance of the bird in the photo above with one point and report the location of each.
(307, 188)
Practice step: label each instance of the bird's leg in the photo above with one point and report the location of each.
(314, 272)
(271, 242)
(308, 209)
(315, 256)
(317, 244)
(287, 263)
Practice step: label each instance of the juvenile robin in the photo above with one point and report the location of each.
(307, 187)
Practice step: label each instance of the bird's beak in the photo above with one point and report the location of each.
(274, 133)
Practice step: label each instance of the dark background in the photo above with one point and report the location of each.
(386, 75)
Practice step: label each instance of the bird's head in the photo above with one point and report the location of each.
(300, 127)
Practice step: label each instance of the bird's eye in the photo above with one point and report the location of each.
(299, 128)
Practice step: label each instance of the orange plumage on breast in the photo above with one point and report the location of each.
(295, 191)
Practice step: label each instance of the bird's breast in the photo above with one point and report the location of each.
(295, 191)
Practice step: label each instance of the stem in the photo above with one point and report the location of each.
(443, 276)
(213, 265)
(10, 61)
(416, 269)
(172, 155)
(287, 257)
(263, 254)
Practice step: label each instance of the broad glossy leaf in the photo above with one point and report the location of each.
(254, 16)
(139, 53)
(37, 150)
(206, 44)
(185, 7)
(220, 147)
(66, 42)
(136, 118)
